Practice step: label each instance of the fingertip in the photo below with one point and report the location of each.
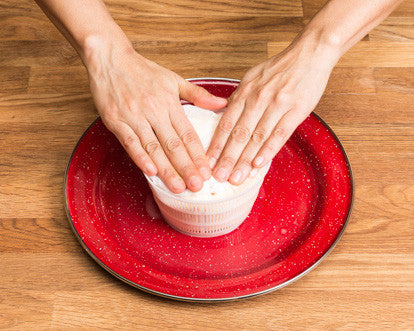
(195, 183)
(236, 177)
(220, 174)
(177, 185)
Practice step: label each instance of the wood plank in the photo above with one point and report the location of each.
(367, 54)
(14, 79)
(311, 7)
(231, 59)
(26, 22)
(164, 28)
(37, 235)
(366, 108)
(400, 80)
(222, 59)
(374, 271)
(23, 27)
(211, 29)
(256, 314)
(344, 80)
(23, 310)
(406, 8)
(29, 53)
(394, 29)
(213, 8)
(54, 80)
(177, 8)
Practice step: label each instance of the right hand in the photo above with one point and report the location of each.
(139, 101)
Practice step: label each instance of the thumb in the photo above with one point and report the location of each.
(200, 97)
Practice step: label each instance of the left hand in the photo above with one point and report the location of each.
(272, 100)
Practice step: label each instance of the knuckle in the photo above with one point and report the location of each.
(245, 162)
(282, 98)
(141, 158)
(244, 91)
(225, 125)
(129, 141)
(199, 92)
(241, 134)
(199, 159)
(270, 147)
(149, 100)
(188, 170)
(280, 133)
(172, 144)
(189, 137)
(216, 149)
(259, 136)
(262, 92)
(151, 147)
(168, 174)
(228, 161)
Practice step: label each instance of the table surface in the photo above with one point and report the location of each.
(48, 281)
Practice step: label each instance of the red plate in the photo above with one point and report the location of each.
(302, 209)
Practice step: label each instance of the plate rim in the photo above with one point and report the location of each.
(210, 300)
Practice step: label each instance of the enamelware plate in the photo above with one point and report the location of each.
(300, 214)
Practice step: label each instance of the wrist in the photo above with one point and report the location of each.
(320, 44)
(96, 48)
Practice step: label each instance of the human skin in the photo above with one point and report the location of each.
(139, 101)
(276, 96)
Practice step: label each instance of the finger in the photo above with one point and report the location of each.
(191, 142)
(238, 139)
(261, 133)
(200, 96)
(131, 143)
(283, 130)
(152, 146)
(177, 154)
(223, 130)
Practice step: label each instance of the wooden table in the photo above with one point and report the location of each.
(48, 281)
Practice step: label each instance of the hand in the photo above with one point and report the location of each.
(272, 99)
(139, 101)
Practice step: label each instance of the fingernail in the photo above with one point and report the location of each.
(221, 174)
(150, 169)
(212, 162)
(195, 181)
(236, 176)
(178, 184)
(205, 173)
(258, 161)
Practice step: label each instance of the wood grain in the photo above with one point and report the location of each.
(382, 54)
(14, 79)
(310, 8)
(47, 281)
(394, 29)
(212, 8)
(399, 80)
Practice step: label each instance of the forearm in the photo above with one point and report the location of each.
(341, 24)
(87, 25)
